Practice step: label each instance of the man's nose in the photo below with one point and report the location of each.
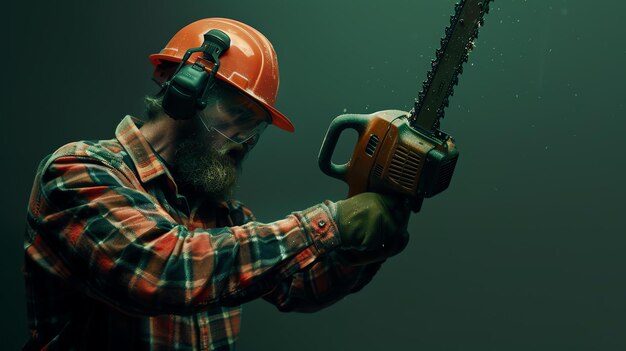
(237, 150)
(238, 147)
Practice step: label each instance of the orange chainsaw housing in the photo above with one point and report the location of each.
(391, 157)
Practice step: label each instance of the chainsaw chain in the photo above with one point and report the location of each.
(454, 19)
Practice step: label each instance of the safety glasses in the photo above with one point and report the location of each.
(236, 117)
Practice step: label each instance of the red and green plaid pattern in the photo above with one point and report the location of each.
(116, 259)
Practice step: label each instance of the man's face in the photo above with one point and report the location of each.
(209, 161)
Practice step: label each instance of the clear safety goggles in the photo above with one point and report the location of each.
(237, 118)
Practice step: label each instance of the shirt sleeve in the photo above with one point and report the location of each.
(323, 283)
(91, 226)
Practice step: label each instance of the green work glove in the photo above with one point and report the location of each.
(372, 227)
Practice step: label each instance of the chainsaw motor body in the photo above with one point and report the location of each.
(391, 157)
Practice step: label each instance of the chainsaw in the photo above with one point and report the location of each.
(405, 153)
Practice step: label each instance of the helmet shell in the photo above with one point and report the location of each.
(250, 64)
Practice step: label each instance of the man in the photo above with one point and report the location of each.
(135, 242)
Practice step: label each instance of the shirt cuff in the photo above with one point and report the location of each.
(320, 225)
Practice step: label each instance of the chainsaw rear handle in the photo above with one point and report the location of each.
(337, 126)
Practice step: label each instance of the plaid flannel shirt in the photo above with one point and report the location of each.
(115, 259)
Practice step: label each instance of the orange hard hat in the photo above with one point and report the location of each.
(250, 64)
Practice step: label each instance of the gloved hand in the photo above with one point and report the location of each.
(372, 227)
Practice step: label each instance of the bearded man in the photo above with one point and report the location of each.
(135, 243)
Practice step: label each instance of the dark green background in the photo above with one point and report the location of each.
(525, 250)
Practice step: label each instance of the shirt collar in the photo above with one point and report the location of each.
(147, 162)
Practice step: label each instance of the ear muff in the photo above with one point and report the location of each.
(186, 92)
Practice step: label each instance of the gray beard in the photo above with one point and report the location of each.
(204, 171)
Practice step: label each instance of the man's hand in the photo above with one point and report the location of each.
(372, 227)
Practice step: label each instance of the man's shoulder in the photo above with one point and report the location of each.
(109, 152)
(79, 164)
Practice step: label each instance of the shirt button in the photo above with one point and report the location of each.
(321, 223)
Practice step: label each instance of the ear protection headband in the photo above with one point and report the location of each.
(187, 90)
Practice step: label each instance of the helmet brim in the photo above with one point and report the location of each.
(278, 119)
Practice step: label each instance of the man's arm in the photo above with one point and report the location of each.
(323, 283)
(89, 225)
